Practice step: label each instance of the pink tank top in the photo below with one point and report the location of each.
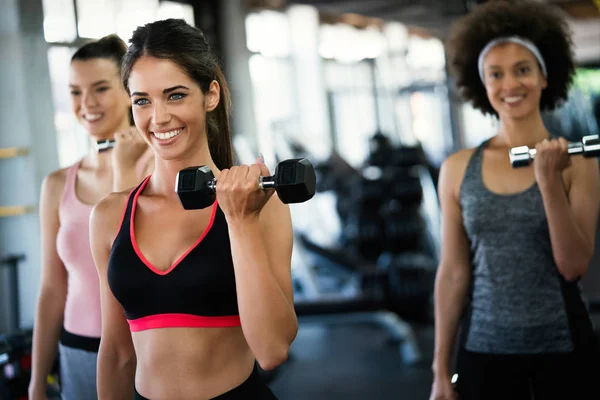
(82, 309)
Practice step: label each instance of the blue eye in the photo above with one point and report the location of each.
(177, 96)
(140, 102)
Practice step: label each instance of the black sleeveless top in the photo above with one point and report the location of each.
(198, 290)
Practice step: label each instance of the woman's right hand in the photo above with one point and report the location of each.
(442, 389)
(129, 147)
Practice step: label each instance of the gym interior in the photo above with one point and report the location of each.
(363, 91)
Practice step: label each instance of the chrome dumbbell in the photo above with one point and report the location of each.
(589, 146)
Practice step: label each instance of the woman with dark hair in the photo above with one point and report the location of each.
(68, 310)
(191, 299)
(516, 241)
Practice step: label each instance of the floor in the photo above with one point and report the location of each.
(352, 362)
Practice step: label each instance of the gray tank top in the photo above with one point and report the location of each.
(516, 304)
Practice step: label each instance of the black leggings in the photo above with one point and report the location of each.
(253, 388)
(520, 377)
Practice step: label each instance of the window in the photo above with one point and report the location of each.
(67, 24)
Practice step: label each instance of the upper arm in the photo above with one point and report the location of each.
(455, 245)
(584, 195)
(277, 234)
(54, 274)
(104, 222)
(147, 165)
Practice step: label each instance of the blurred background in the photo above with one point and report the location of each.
(358, 87)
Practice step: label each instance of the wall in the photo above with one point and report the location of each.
(26, 120)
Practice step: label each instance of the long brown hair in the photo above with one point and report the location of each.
(186, 46)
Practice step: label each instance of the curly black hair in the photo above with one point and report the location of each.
(543, 25)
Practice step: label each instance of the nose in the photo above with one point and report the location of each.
(88, 100)
(510, 82)
(160, 115)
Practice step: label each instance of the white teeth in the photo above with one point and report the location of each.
(92, 117)
(167, 135)
(513, 99)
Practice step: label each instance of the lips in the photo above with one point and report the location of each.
(166, 137)
(92, 117)
(168, 134)
(511, 100)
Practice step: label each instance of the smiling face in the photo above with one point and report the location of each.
(513, 81)
(169, 107)
(98, 99)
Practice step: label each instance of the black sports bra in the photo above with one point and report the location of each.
(198, 290)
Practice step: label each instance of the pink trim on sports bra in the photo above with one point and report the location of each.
(180, 259)
(183, 321)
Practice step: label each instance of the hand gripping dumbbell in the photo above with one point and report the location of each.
(589, 146)
(294, 180)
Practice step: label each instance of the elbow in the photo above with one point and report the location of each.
(573, 270)
(574, 265)
(110, 359)
(274, 357)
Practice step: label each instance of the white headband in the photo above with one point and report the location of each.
(512, 39)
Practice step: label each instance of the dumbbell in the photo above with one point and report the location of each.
(103, 145)
(589, 146)
(294, 180)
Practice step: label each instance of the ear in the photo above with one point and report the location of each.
(212, 97)
(544, 82)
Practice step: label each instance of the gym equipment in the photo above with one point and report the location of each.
(408, 156)
(403, 185)
(403, 228)
(103, 145)
(410, 283)
(294, 180)
(13, 211)
(364, 295)
(363, 231)
(11, 152)
(380, 150)
(589, 146)
(9, 270)
(15, 363)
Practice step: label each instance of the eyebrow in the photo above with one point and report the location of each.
(168, 90)
(100, 82)
(515, 64)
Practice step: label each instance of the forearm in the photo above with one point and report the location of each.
(46, 335)
(450, 293)
(570, 248)
(124, 178)
(116, 375)
(268, 319)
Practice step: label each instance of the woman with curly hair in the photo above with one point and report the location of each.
(515, 241)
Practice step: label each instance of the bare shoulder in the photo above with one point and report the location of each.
(453, 170)
(106, 216)
(53, 186)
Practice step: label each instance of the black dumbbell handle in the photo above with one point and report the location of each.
(264, 182)
(103, 145)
